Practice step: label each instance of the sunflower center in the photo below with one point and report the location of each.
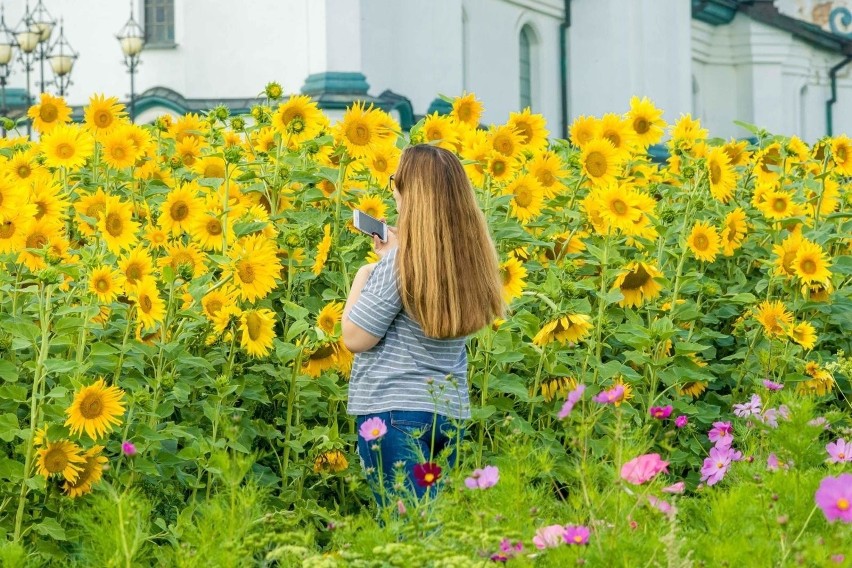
(808, 266)
(7, 229)
(779, 204)
(641, 125)
(297, 125)
(525, 130)
(771, 158)
(214, 170)
(841, 153)
(620, 207)
(55, 460)
(358, 134)
(734, 155)
(95, 210)
(102, 118)
(546, 178)
(214, 305)
(323, 352)
(380, 164)
(498, 167)
(246, 272)
(715, 173)
(188, 158)
(133, 273)
(214, 227)
(145, 303)
(596, 164)
(465, 113)
(507, 276)
(36, 241)
(523, 198)
(614, 138)
(102, 285)
(254, 325)
(504, 145)
(64, 150)
(41, 209)
(843, 504)
(701, 242)
(48, 112)
(24, 171)
(636, 279)
(179, 211)
(114, 224)
(92, 406)
(182, 258)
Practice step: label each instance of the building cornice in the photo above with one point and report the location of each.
(553, 8)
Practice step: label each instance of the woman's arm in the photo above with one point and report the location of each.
(356, 339)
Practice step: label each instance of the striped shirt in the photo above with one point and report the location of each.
(406, 370)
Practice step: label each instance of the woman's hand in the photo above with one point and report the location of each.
(383, 248)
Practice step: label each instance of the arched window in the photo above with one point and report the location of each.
(527, 42)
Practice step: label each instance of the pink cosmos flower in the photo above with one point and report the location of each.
(483, 478)
(721, 434)
(400, 507)
(772, 463)
(772, 385)
(750, 408)
(661, 412)
(508, 550)
(834, 497)
(675, 488)
(643, 468)
(716, 466)
(576, 534)
(573, 398)
(819, 421)
(611, 396)
(663, 506)
(128, 449)
(839, 451)
(373, 428)
(681, 421)
(548, 537)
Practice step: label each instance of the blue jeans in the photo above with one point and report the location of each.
(413, 437)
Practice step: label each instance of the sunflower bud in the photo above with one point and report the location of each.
(273, 91)
(49, 276)
(168, 381)
(293, 239)
(260, 114)
(233, 154)
(221, 112)
(7, 123)
(163, 122)
(237, 123)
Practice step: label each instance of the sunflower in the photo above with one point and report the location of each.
(38, 235)
(103, 114)
(583, 130)
(600, 161)
(556, 387)
(49, 112)
(804, 334)
(646, 120)
(619, 132)
(185, 261)
(569, 327)
(258, 331)
(723, 179)
(774, 318)
(323, 249)
(820, 383)
(704, 241)
(500, 168)
(734, 232)
(156, 237)
(359, 131)
(23, 167)
(818, 291)
(811, 263)
(547, 169)
(381, 162)
(13, 230)
(60, 458)
(189, 150)
(330, 315)
(737, 153)
(506, 140)
(692, 388)
(119, 151)
(564, 243)
(189, 125)
(768, 164)
(48, 199)
(140, 138)
(332, 461)
(105, 282)
(90, 473)
(254, 266)
(263, 140)
(150, 308)
(208, 231)
(778, 205)
(786, 252)
(531, 127)
(180, 209)
(372, 205)
(135, 266)
(687, 132)
(825, 200)
(66, 146)
(637, 283)
(117, 226)
(215, 300)
(514, 274)
(841, 154)
(95, 410)
(528, 197)
(618, 206)
(12, 197)
(440, 131)
(322, 357)
(298, 119)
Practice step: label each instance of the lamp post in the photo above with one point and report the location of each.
(27, 38)
(43, 24)
(7, 52)
(132, 40)
(62, 58)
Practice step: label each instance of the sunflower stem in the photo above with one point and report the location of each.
(291, 399)
(44, 313)
(601, 306)
(536, 383)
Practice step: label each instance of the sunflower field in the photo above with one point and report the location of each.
(671, 384)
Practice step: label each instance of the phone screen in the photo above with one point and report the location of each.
(370, 225)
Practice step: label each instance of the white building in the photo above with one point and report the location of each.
(758, 61)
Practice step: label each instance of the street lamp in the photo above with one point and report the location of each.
(7, 52)
(132, 40)
(43, 24)
(62, 58)
(27, 38)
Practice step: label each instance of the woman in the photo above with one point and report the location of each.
(407, 317)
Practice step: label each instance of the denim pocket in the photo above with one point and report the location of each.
(413, 424)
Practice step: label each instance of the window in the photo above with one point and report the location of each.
(526, 69)
(159, 22)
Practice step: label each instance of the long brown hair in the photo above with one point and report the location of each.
(449, 277)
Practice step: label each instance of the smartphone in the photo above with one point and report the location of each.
(370, 225)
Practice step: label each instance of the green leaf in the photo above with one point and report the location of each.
(8, 426)
(8, 372)
(50, 527)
